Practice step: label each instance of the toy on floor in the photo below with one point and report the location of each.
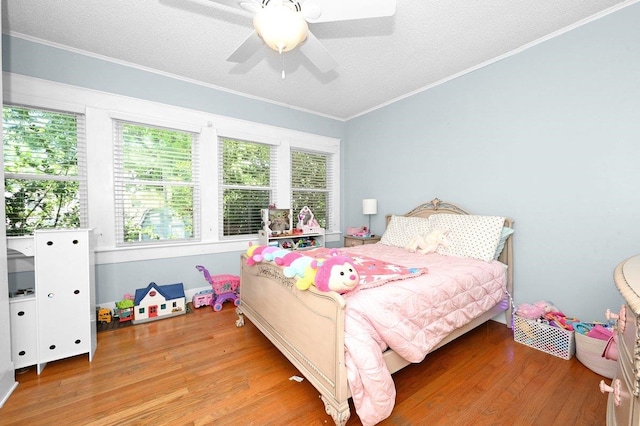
(225, 288)
(536, 311)
(124, 308)
(104, 315)
(202, 298)
(159, 301)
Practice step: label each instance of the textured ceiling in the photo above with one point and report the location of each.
(379, 60)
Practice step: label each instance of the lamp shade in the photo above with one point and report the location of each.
(281, 28)
(369, 206)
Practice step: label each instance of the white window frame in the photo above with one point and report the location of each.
(81, 162)
(99, 109)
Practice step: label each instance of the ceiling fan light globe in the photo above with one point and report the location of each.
(281, 28)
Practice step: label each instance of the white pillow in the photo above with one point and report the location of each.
(471, 236)
(401, 229)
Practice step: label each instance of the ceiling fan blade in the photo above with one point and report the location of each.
(244, 7)
(342, 10)
(251, 6)
(318, 54)
(247, 49)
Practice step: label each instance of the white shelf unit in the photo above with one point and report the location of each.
(61, 315)
(278, 231)
(293, 242)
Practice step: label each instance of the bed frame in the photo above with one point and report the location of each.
(307, 326)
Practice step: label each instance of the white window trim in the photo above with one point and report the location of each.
(101, 107)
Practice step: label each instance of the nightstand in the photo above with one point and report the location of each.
(350, 241)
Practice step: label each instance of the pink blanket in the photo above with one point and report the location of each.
(410, 316)
(373, 272)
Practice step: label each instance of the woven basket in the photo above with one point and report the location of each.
(589, 352)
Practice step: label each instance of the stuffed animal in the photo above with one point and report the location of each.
(337, 273)
(272, 255)
(285, 259)
(309, 275)
(428, 244)
(529, 311)
(297, 267)
(546, 306)
(254, 253)
(265, 254)
(537, 310)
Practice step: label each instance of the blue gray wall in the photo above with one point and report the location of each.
(549, 137)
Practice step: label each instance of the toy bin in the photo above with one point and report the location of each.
(544, 337)
(589, 352)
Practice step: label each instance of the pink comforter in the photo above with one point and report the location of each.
(411, 317)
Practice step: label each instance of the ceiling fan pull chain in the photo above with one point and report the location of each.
(282, 57)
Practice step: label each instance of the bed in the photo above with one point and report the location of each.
(308, 326)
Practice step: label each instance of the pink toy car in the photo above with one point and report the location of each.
(202, 298)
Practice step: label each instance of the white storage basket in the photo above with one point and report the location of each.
(589, 352)
(544, 337)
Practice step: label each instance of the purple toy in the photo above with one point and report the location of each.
(225, 288)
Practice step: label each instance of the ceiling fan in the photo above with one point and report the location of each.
(283, 24)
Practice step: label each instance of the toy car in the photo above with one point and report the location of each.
(104, 315)
(202, 298)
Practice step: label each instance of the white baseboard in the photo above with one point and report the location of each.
(8, 393)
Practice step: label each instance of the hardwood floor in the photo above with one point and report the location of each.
(199, 369)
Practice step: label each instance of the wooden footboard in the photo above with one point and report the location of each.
(307, 326)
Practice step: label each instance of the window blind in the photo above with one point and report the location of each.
(45, 169)
(248, 172)
(157, 195)
(311, 180)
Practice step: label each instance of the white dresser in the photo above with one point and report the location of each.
(24, 343)
(623, 407)
(59, 320)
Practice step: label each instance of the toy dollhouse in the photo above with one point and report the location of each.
(158, 301)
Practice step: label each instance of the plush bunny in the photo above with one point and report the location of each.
(428, 244)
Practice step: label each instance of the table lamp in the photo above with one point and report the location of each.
(369, 207)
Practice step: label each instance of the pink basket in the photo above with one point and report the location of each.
(224, 283)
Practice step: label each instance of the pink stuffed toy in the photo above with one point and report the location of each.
(337, 273)
(254, 254)
(526, 310)
(546, 306)
(287, 258)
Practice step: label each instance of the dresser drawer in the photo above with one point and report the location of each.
(629, 350)
(627, 380)
(24, 342)
(623, 413)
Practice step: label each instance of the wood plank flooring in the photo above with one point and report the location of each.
(199, 369)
